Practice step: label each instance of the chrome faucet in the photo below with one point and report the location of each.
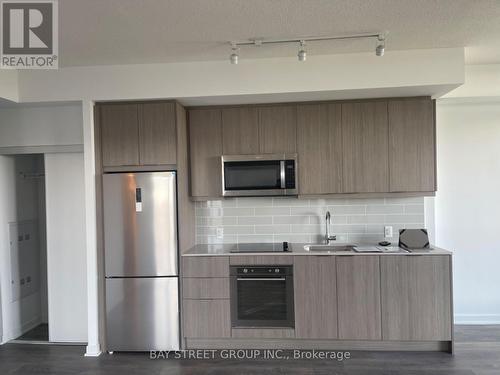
(328, 238)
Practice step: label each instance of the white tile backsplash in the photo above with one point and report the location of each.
(303, 220)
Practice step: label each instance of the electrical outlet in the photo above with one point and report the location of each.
(220, 233)
(388, 231)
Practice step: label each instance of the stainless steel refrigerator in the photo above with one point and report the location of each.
(141, 261)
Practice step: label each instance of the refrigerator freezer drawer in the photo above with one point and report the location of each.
(142, 314)
(140, 224)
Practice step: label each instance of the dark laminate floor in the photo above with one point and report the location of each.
(477, 353)
(39, 333)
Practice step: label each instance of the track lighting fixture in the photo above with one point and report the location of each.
(233, 58)
(380, 49)
(302, 53)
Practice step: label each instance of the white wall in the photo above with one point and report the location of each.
(481, 81)
(358, 73)
(467, 204)
(41, 125)
(66, 255)
(8, 85)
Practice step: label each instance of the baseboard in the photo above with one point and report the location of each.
(477, 319)
(310, 344)
(93, 351)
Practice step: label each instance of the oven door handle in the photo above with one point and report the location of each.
(261, 279)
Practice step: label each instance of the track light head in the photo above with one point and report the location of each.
(234, 57)
(380, 49)
(302, 55)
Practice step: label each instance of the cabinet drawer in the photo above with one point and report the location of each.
(207, 318)
(201, 266)
(205, 288)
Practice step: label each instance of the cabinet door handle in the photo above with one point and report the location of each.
(260, 279)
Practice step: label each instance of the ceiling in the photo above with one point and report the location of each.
(102, 32)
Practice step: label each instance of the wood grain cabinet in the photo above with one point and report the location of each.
(416, 297)
(138, 134)
(205, 135)
(365, 147)
(157, 134)
(319, 145)
(315, 291)
(278, 129)
(119, 125)
(205, 297)
(240, 131)
(207, 318)
(412, 145)
(358, 296)
(205, 266)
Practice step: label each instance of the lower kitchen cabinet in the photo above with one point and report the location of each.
(205, 287)
(368, 301)
(207, 318)
(205, 266)
(416, 298)
(315, 292)
(358, 296)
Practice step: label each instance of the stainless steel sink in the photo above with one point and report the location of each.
(329, 248)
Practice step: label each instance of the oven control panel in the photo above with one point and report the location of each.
(261, 270)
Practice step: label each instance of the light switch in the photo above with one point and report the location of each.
(388, 231)
(220, 233)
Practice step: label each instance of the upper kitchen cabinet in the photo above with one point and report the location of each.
(138, 134)
(240, 131)
(157, 134)
(371, 147)
(278, 129)
(319, 145)
(412, 145)
(119, 134)
(205, 137)
(365, 147)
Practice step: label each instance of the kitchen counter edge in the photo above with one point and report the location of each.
(298, 249)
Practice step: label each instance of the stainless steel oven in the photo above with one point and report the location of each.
(262, 296)
(259, 175)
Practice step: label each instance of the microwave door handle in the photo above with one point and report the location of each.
(282, 174)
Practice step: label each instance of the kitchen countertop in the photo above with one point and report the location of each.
(298, 249)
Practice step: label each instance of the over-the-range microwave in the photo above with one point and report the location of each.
(259, 175)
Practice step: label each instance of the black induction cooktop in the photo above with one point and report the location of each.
(260, 247)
